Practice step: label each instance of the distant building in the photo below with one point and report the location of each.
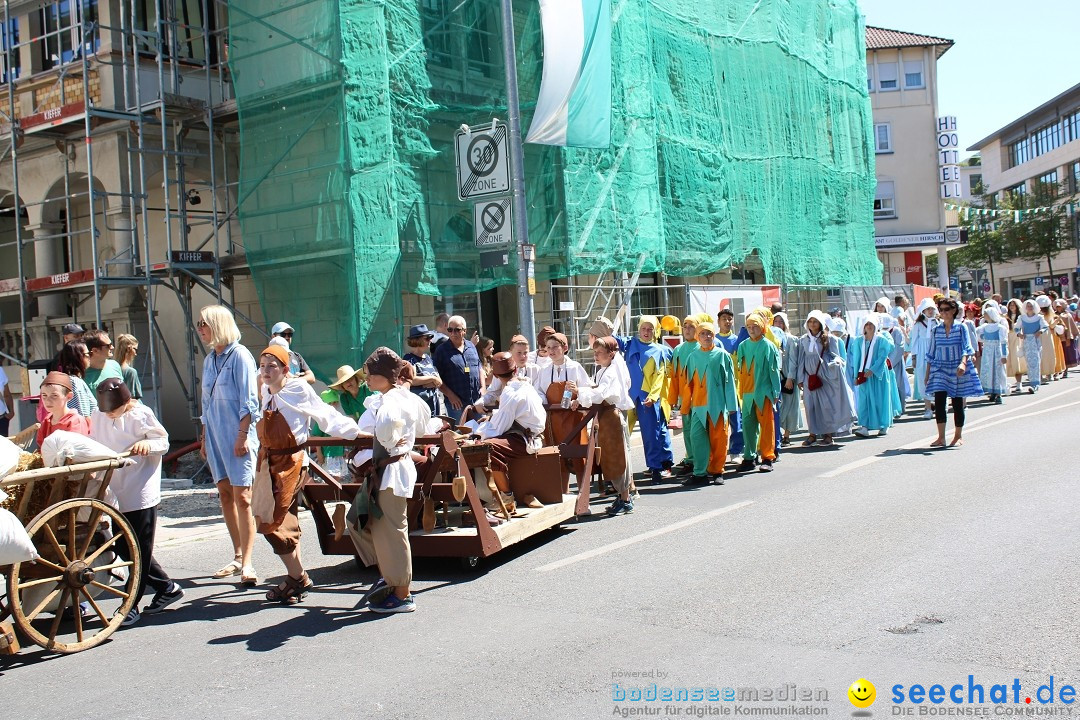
(909, 216)
(1042, 145)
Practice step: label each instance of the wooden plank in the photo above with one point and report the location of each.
(535, 520)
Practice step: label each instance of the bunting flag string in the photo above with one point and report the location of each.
(966, 211)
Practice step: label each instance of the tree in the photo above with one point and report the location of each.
(1038, 227)
(987, 243)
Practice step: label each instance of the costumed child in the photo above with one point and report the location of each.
(826, 395)
(610, 390)
(383, 536)
(729, 341)
(1049, 344)
(790, 411)
(918, 344)
(679, 387)
(289, 405)
(1016, 364)
(757, 367)
(649, 363)
(897, 362)
(56, 391)
(712, 398)
(993, 333)
(876, 398)
(1033, 330)
(123, 424)
(563, 375)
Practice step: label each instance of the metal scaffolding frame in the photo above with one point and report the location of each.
(168, 102)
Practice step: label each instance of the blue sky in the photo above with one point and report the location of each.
(1009, 57)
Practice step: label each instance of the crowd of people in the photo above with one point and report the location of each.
(738, 391)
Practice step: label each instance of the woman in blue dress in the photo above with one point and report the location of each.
(918, 345)
(950, 371)
(993, 333)
(1032, 329)
(230, 408)
(876, 399)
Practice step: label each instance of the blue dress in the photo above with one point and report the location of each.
(876, 400)
(995, 350)
(943, 357)
(228, 394)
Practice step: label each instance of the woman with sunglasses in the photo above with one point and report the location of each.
(229, 443)
(950, 371)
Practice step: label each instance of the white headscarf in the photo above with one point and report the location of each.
(874, 319)
(1029, 303)
(822, 319)
(1043, 301)
(884, 302)
(837, 325)
(926, 304)
(783, 316)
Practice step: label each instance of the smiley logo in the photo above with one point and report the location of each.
(862, 693)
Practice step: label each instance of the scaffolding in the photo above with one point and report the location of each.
(144, 89)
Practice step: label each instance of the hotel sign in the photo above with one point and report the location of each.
(948, 143)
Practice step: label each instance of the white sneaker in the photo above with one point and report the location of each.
(928, 414)
(862, 432)
(883, 432)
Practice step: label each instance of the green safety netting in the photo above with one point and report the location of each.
(738, 127)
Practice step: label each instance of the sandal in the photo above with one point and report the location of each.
(291, 590)
(248, 576)
(233, 568)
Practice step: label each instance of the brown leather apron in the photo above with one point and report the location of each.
(561, 421)
(613, 442)
(285, 464)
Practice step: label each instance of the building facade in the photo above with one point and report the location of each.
(1040, 146)
(909, 216)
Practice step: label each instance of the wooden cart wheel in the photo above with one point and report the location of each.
(78, 592)
(5, 610)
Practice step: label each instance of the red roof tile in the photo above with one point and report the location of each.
(884, 38)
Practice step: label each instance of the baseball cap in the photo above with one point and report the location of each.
(280, 327)
(72, 329)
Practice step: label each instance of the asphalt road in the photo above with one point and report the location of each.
(880, 559)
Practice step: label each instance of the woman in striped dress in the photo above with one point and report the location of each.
(950, 371)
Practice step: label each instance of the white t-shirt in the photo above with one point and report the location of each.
(138, 486)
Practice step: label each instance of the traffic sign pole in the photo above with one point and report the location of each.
(526, 317)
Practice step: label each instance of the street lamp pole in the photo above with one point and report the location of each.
(526, 318)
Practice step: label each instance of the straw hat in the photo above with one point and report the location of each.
(345, 372)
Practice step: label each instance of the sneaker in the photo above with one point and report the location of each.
(164, 599)
(930, 413)
(746, 465)
(373, 595)
(883, 432)
(1018, 389)
(862, 432)
(131, 618)
(615, 508)
(716, 479)
(998, 400)
(766, 466)
(1032, 389)
(394, 604)
(694, 480)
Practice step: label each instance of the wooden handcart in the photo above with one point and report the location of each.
(78, 592)
(542, 477)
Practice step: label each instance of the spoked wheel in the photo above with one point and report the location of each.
(78, 592)
(5, 610)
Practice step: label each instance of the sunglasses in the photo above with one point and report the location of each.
(456, 330)
(287, 334)
(202, 324)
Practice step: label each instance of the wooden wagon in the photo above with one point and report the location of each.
(542, 476)
(76, 594)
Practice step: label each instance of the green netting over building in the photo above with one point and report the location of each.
(739, 127)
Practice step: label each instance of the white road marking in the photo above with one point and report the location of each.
(642, 537)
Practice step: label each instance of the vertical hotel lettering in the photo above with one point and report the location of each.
(948, 157)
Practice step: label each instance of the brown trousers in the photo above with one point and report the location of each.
(384, 541)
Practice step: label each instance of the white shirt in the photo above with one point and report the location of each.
(520, 403)
(400, 415)
(530, 373)
(541, 361)
(137, 486)
(612, 386)
(569, 370)
(299, 405)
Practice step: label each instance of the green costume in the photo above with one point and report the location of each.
(712, 386)
(678, 390)
(351, 406)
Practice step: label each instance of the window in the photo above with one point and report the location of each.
(9, 37)
(883, 138)
(1049, 182)
(884, 200)
(1070, 127)
(1075, 178)
(60, 29)
(974, 183)
(887, 78)
(913, 74)
(186, 30)
(1045, 139)
(1018, 191)
(870, 77)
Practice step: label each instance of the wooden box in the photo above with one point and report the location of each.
(542, 475)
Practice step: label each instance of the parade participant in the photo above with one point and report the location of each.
(757, 371)
(838, 329)
(790, 404)
(1067, 337)
(458, 364)
(711, 381)
(228, 440)
(890, 325)
(298, 367)
(100, 365)
(72, 362)
(1016, 364)
(539, 357)
(649, 363)
(123, 424)
(558, 384)
(55, 393)
(346, 395)
(951, 371)
(826, 395)
(127, 347)
(876, 398)
(523, 369)
(1049, 345)
(1033, 329)
(514, 429)
(601, 327)
(679, 387)
(610, 388)
(399, 418)
(918, 344)
(288, 407)
(729, 341)
(993, 333)
(426, 381)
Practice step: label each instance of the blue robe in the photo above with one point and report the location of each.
(655, 436)
(876, 400)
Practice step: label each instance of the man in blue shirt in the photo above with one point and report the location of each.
(458, 364)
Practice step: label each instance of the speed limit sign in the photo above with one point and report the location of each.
(483, 166)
